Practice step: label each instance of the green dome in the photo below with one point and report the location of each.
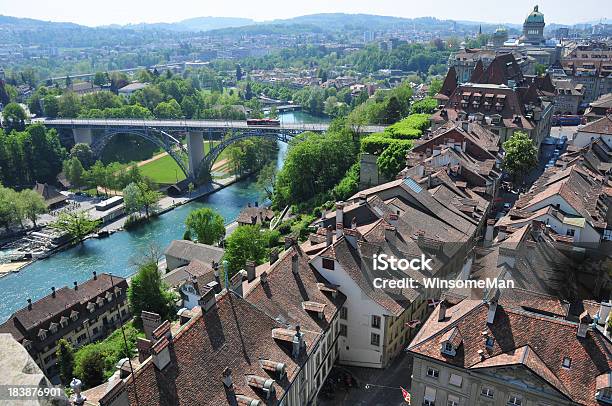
(535, 16)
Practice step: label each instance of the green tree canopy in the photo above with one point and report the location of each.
(89, 366)
(65, 361)
(31, 205)
(77, 224)
(244, 244)
(206, 225)
(84, 154)
(14, 116)
(393, 158)
(521, 155)
(148, 292)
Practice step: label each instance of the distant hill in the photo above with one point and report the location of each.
(194, 24)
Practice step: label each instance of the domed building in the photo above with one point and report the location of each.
(499, 37)
(533, 28)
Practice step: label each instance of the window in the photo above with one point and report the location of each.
(452, 401)
(490, 341)
(487, 391)
(376, 321)
(567, 362)
(328, 264)
(515, 400)
(343, 313)
(455, 380)
(430, 397)
(605, 394)
(448, 349)
(607, 235)
(570, 232)
(433, 373)
(343, 330)
(375, 339)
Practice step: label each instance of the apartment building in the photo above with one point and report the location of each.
(81, 315)
(524, 350)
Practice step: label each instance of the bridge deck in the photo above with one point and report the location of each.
(187, 125)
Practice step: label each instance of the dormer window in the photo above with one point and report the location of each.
(515, 400)
(109, 296)
(27, 344)
(100, 301)
(74, 315)
(64, 321)
(91, 307)
(448, 349)
(42, 334)
(567, 362)
(53, 328)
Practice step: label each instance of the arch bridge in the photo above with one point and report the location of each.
(164, 133)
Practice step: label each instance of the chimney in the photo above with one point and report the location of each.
(295, 265)
(249, 267)
(215, 267)
(207, 300)
(227, 377)
(76, 285)
(362, 199)
(298, 343)
(263, 277)
(442, 311)
(256, 204)
(144, 348)
(29, 304)
(393, 218)
(339, 219)
(329, 236)
(184, 315)
(465, 125)
(354, 223)
(583, 324)
(492, 309)
(390, 235)
(52, 291)
(95, 275)
(273, 255)
(288, 242)
(150, 321)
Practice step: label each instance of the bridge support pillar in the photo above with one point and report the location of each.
(195, 149)
(82, 136)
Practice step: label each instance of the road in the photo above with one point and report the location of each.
(187, 125)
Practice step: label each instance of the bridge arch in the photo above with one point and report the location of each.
(204, 169)
(158, 137)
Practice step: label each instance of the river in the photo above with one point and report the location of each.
(117, 253)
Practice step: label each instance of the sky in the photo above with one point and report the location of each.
(88, 12)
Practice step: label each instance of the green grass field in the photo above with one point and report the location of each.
(165, 171)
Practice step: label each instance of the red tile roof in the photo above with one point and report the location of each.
(537, 342)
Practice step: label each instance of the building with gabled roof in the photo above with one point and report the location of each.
(481, 351)
(228, 352)
(82, 314)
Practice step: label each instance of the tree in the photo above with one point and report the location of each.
(266, 179)
(393, 158)
(4, 96)
(77, 224)
(148, 292)
(69, 105)
(427, 105)
(393, 110)
(238, 73)
(89, 366)
(65, 361)
(31, 205)
(521, 155)
(434, 87)
(148, 198)
(540, 69)
(51, 105)
(100, 79)
(84, 154)
(248, 92)
(169, 110)
(9, 211)
(244, 244)
(14, 117)
(206, 225)
(131, 198)
(74, 171)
